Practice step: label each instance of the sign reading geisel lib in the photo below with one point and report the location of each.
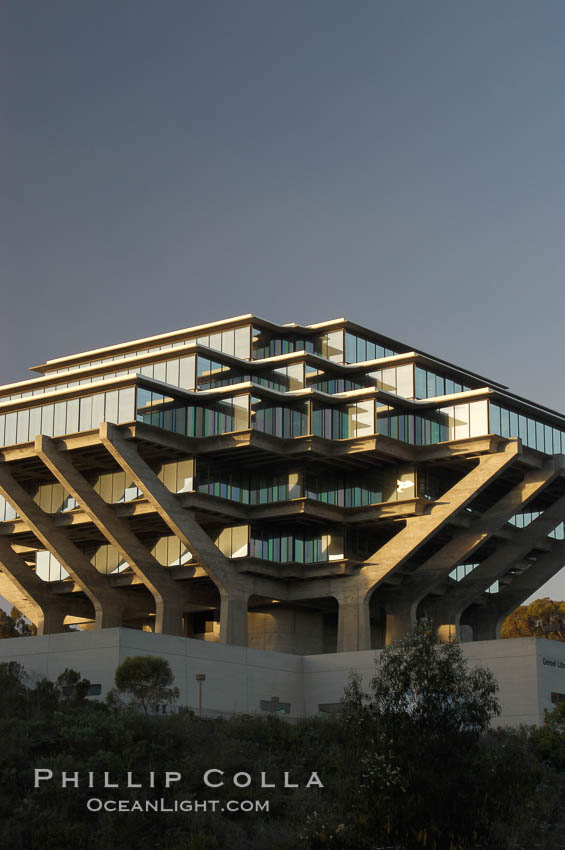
(553, 662)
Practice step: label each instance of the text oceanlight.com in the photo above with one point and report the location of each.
(95, 804)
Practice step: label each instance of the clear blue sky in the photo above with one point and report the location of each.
(399, 163)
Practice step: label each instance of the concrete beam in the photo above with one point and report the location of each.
(233, 586)
(487, 619)
(433, 574)
(450, 608)
(108, 603)
(31, 596)
(168, 595)
(180, 520)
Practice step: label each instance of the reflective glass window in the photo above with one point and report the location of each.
(160, 371)
(22, 435)
(35, 422)
(126, 402)
(60, 419)
(85, 416)
(112, 407)
(47, 420)
(73, 405)
(540, 444)
(531, 433)
(172, 376)
(11, 421)
(242, 342)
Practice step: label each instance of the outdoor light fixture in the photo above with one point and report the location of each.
(200, 677)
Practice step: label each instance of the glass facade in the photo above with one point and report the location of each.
(358, 349)
(430, 384)
(280, 420)
(344, 490)
(236, 341)
(295, 548)
(203, 420)
(345, 421)
(67, 417)
(247, 487)
(268, 344)
(448, 423)
(533, 432)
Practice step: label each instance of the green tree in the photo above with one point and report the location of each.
(7, 626)
(15, 624)
(148, 680)
(421, 782)
(72, 687)
(541, 618)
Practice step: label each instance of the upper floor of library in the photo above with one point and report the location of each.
(335, 379)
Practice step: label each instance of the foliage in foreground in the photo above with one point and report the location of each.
(407, 765)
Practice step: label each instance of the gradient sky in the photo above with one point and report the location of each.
(398, 163)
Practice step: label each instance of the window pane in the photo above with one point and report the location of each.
(242, 343)
(160, 371)
(34, 422)
(172, 376)
(85, 418)
(47, 420)
(112, 407)
(421, 383)
(60, 420)
(23, 426)
(126, 401)
(72, 415)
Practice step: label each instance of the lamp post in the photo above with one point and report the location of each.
(200, 677)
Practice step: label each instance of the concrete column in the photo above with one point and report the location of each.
(51, 620)
(485, 622)
(399, 620)
(353, 624)
(233, 617)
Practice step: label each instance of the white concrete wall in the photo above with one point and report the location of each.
(94, 654)
(238, 678)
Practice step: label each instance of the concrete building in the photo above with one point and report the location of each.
(530, 671)
(294, 489)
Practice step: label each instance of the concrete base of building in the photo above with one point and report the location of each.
(530, 671)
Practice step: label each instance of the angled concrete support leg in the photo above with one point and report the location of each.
(233, 617)
(449, 608)
(180, 520)
(30, 595)
(419, 529)
(168, 595)
(434, 573)
(108, 602)
(488, 619)
(353, 625)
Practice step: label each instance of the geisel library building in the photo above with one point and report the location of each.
(268, 504)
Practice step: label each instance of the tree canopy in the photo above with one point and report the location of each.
(15, 624)
(147, 680)
(541, 618)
